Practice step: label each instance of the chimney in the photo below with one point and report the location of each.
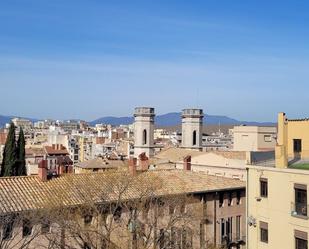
(132, 166)
(42, 170)
(61, 170)
(143, 161)
(187, 163)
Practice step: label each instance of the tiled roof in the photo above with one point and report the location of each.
(176, 154)
(29, 192)
(35, 151)
(100, 163)
(241, 155)
(51, 151)
(3, 136)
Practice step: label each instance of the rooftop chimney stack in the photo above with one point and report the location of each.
(132, 166)
(143, 161)
(42, 170)
(187, 163)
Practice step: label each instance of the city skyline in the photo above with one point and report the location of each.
(88, 60)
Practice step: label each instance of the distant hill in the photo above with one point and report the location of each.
(174, 118)
(165, 120)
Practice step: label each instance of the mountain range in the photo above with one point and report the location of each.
(174, 118)
(169, 119)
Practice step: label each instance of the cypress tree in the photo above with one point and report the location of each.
(20, 152)
(9, 154)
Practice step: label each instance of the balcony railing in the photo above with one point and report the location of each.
(232, 240)
(299, 209)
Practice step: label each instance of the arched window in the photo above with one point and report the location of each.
(194, 137)
(144, 137)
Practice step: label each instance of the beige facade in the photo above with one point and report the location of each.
(293, 141)
(277, 202)
(278, 210)
(254, 138)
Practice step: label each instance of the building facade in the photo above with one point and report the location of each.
(254, 138)
(277, 202)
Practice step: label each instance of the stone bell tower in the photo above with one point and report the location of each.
(192, 129)
(144, 131)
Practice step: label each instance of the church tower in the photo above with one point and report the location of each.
(144, 131)
(192, 129)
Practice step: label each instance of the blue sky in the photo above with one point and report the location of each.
(89, 58)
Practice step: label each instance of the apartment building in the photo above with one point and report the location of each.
(25, 124)
(254, 138)
(277, 202)
(213, 213)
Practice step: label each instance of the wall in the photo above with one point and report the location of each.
(251, 138)
(276, 209)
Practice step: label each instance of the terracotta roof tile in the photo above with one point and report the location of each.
(29, 192)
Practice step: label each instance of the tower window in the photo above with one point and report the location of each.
(194, 137)
(144, 137)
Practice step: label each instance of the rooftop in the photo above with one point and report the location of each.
(29, 192)
(100, 163)
(54, 150)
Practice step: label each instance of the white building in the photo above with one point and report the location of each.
(25, 124)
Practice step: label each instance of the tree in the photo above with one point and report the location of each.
(9, 154)
(20, 152)
(127, 212)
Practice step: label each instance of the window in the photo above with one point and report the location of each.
(263, 187)
(267, 138)
(27, 228)
(221, 199)
(171, 209)
(238, 225)
(45, 227)
(117, 213)
(87, 219)
(264, 231)
(86, 246)
(162, 239)
(223, 233)
(8, 229)
(144, 137)
(300, 199)
(194, 138)
(301, 239)
(226, 230)
(229, 228)
(301, 243)
(297, 145)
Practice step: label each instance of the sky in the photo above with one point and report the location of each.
(86, 59)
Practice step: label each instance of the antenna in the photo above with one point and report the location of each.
(197, 98)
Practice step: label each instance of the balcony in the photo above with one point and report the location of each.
(233, 240)
(299, 210)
